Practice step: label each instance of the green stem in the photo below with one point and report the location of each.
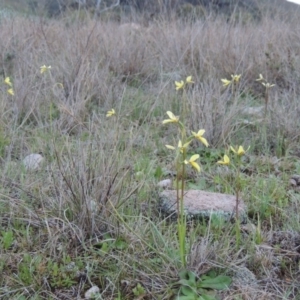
(237, 233)
(266, 102)
(182, 217)
(237, 192)
(177, 195)
(184, 105)
(237, 189)
(180, 206)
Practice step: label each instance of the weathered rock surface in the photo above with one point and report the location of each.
(201, 204)
(92, 293)
(33, 161)
(295, 182)
(243, 277)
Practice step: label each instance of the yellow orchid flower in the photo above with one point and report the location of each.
(110, 113)
(192, 162)
(182, 147)
(236, 78)
(11, 92)
(240, 151)
(199, 136)
(267, 85)
(44, 68)
(179, 85)
(260, 78)
(189, 79)
(226, 82)
(173, 118)
(7, 81)
(225, 161)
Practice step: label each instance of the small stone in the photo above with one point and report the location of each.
(201, 204)
(93, 206)
(244, 277)
(92, 293)
(256, 111)
(167, 183)
(293, 182)
(32, 161)
(296, 178)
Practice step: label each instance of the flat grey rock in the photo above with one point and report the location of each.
(32, 161)
(201, 204)
(243, 277)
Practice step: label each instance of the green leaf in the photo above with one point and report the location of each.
(104, 247)
(8, 239)
(188, 283)
(187, 275)
(187, 291)
(158, 172)
(207, 297)
(138, 290)
(120, 244)
(212, 274)
(217, 283)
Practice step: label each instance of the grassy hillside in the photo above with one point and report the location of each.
(89, 214)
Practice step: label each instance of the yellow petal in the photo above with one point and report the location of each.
(189, 79)
(268, 85)
(182, 146)
(236, 78)
(173, 118)
(260, 78)
(192, 162)
(11, 92)
(199, 136)
(226, 82)
(44, 68)
(194, 157)
(195, 166)
(179, 85)
(167, 121)
(171, 115)
(170, 147)
(232, 149)
(199, 133)
(7, 81)
(204, 141)
(225, 161)
(241, 150)
(110, 113)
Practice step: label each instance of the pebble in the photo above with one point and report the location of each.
(296, 178)
(33, 161)
(92, 293)
(167, 183)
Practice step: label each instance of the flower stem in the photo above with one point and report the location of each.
(266, 102)
(181, 222)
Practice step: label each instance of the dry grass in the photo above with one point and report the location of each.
(88, 216)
